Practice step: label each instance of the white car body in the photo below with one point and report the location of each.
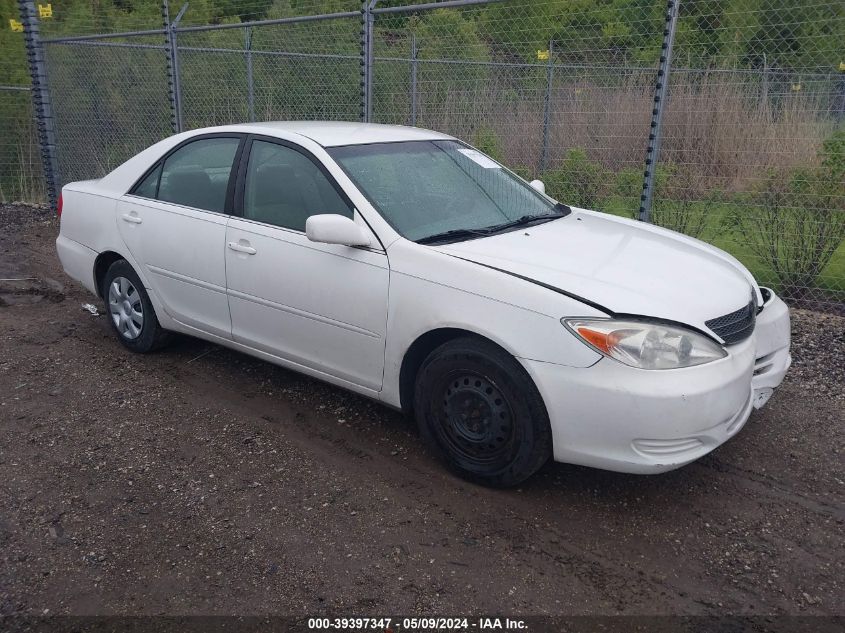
(353, 316)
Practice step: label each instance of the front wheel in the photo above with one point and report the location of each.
(479, 410)
(131, 314)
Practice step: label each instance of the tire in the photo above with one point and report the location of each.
(480, 412)
(129, 311)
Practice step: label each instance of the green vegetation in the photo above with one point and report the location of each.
(788, 231)
(801, 219)
(578, 180)
(488, 141)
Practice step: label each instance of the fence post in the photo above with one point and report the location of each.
(250, 86)
(367, 22)
(413, 79)
(41, 104)
(764, 87)
(661, 89)
(547, 104)
(173, 75)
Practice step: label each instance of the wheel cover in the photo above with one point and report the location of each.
(126, 308)
(475, 419)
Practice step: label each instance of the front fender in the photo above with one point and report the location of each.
(465, 296)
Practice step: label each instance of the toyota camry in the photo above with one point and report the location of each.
(407, 266)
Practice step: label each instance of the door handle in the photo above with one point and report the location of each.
(242, 248)
(132, 219)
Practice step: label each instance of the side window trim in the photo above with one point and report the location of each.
(160, 170)
(233, 172)
(240, 179)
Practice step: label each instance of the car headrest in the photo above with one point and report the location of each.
(191, 187)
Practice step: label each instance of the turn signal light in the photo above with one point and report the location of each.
(600, 340)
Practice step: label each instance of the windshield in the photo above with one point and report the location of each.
(427, 188)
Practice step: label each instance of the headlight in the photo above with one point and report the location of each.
(646, 345)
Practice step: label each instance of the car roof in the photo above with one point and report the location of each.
(335, 133)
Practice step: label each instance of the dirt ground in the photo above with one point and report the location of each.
(200, 481)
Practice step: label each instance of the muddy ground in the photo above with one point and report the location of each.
(199, 480)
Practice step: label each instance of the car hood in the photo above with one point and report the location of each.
(618, 265)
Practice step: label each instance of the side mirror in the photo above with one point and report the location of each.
(538, 185)
(331, 228)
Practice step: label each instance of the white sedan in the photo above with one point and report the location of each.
(406, 266)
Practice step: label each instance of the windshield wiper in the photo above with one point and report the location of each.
(454, 234)
(560, 211)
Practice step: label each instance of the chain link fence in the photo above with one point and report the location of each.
(104, 117)
(735, 110)
(754, 150)
(21, 178)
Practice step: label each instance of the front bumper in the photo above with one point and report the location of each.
(616, 417)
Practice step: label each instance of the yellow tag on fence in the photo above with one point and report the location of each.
(796, 87)
(17, 27)
(842, 66)
(541, 55)
(45, 10)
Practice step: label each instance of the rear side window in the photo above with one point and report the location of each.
(148, 188)
(196, 175)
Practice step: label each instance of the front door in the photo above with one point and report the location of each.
(320, 306)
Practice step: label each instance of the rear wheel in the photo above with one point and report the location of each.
(130, 312)
(478, 409)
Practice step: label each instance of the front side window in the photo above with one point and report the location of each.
(428, 188)
(284, 188)
(196, 175)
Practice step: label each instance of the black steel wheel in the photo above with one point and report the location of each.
(476, 421)
(480, 412)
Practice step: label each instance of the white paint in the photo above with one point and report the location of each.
(348, 315)
(331, 228)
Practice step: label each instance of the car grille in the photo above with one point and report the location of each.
(735, 326)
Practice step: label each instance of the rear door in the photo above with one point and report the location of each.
(321, 306)
(174, 224)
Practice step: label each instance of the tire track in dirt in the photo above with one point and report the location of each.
(606, 570)
(766, 486)
(338, 444)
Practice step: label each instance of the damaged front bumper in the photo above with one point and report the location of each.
(772, 345)
(625, 419)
